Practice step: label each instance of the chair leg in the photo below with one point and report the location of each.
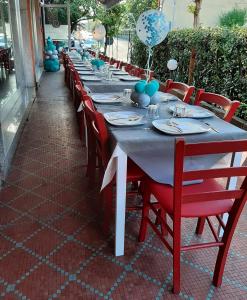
(145, 213)
(223, 251)
(200, 225)
(176, 255)
(107, 209)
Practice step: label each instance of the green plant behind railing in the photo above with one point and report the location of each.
(221, 60)
(235, 17)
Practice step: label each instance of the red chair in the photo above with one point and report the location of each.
(229, 106)
(178, 89)
(205, 199)
(102, 144)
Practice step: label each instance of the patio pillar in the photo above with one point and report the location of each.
(28, 47)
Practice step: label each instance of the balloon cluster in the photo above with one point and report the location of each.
(99, 32)
(51, 63)
(97, 63)
(146, 93)
(85, 55)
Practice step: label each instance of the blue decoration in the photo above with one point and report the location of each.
(143, 100)
(134, 97)
(51, 63)
(151, 89)
(140, 86)
(155, 99)
(152, 27)
(156, 83)
(97, 63)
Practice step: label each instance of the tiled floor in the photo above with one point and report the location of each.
(51, 243)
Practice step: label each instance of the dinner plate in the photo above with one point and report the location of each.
(90, 78)
(119, 72)
(87, 72)
(83, 69)
(129, 78)
(124, 118)
(106, 99)
(192, 111)
(180, 126)
(166, 97)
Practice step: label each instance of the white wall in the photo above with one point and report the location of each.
(209, 15)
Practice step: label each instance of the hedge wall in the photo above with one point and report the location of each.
(221, 60)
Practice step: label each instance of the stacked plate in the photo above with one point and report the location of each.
(180, 126)
(106, 98)
(124, 118)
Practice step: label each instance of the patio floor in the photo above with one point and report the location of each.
(51, 243)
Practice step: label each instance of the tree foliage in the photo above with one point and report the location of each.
(221, 60)
(235, 17)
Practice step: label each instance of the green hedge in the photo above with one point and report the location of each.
(221, 60)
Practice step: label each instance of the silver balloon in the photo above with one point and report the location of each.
(172, 64)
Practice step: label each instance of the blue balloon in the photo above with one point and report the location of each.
(155, 99)
(140, 87)
(152, 27)
(151, 89)
(143, 100)
(156, 83)
(134, 97)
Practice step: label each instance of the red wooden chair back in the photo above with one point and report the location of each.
(178, 88)
(218, 200)
(229, 106)
(101, 134)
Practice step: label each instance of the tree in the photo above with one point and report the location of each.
(194, 8)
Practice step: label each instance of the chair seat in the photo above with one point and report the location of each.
(134, 173)
(164, 194)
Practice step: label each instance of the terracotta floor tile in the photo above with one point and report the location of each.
(15, 264)
(41, 283)
(10, 192)
(101, 273)
(76, 291)
(70, 256)
(26, 202)
(44, 241)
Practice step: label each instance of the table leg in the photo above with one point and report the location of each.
(231, 183)
(121, 173)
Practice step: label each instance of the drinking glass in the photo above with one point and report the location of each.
(153, 112)
(126, 95)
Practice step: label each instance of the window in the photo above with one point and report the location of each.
(7, 69)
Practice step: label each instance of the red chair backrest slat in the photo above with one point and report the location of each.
(183, 150)
(229, 106)
(178, 87)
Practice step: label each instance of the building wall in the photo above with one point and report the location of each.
(27, 50)
(209, 15)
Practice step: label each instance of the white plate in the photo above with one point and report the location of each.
(87, 72)
(192, 111)
(120, 73)
(90, 78)
(83, 69)
(106, 99)
(180, 126)
(166, 97)
(129, 78)
(124, 118)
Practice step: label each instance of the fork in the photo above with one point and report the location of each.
(174, 125)
(211, 127)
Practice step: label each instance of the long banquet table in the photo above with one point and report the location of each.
(153, 152)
